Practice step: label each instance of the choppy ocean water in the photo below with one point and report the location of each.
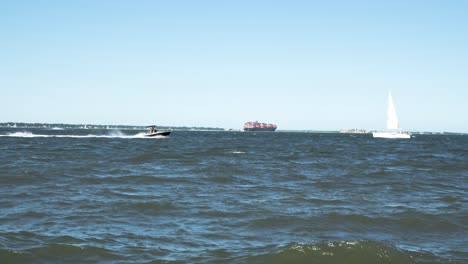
(105, 196)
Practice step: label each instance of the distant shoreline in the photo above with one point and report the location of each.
(94, 126)
(186, 128)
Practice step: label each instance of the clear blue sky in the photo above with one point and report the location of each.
(318, 65)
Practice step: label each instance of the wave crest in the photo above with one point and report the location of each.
(363, 252)
(58, 253)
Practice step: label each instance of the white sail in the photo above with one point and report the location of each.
(392, 123)
(392, 119)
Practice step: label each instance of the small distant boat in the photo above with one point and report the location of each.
(393, 126)
(154, 132)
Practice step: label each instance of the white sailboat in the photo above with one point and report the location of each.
(393, 125)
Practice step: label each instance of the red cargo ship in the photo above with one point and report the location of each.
(256, 126)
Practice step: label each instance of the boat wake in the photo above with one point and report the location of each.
(114, 134)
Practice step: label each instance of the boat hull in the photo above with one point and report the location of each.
(259, 129)
(164, 133)
(391, 135)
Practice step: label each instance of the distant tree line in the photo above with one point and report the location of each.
(94, 126)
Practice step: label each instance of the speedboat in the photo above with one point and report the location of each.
(154, 132)
(158, 133)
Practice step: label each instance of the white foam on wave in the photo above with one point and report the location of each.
(22, 134)
(113, 134)
(117, 133)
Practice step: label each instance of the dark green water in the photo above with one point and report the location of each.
(100, 196)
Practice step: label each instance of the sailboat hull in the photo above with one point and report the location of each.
(391, 135)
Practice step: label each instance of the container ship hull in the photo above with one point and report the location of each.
(259, 129)
(256, 126)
